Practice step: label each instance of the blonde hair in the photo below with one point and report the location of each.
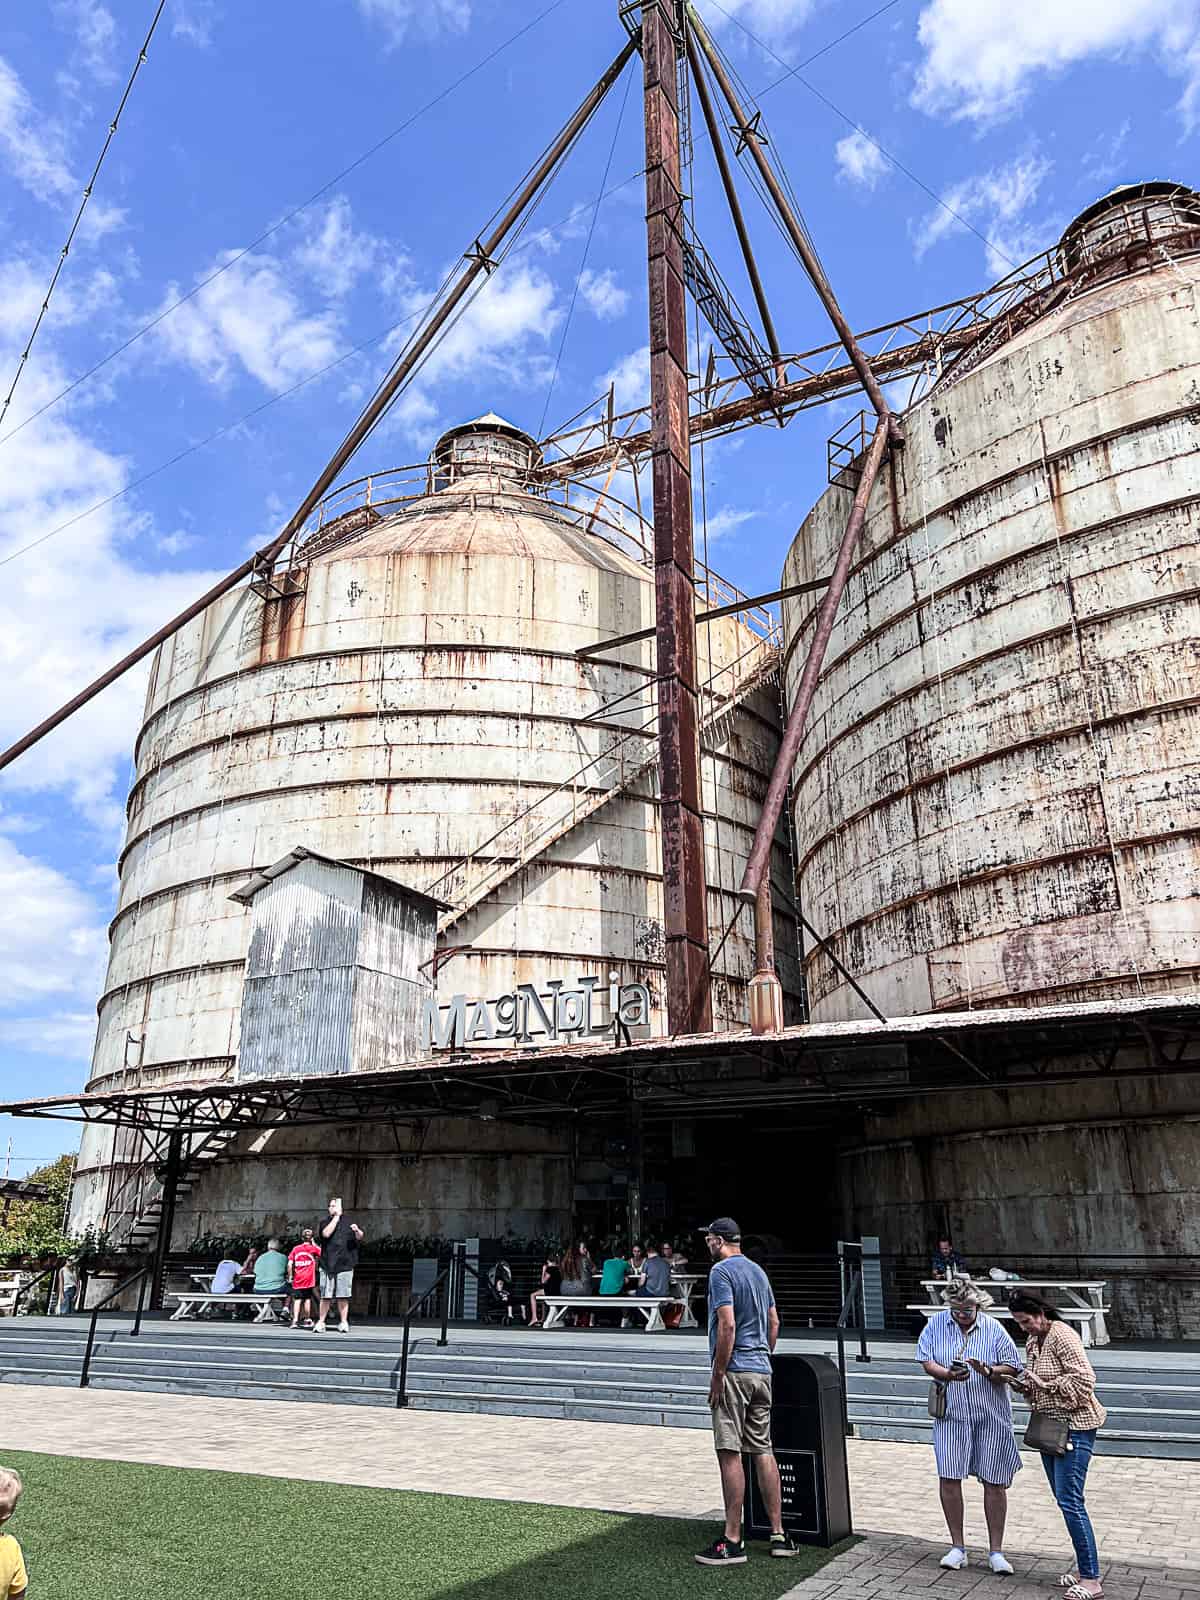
(10, 1492)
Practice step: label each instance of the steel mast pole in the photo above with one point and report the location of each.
(479, 261)
(685, 892)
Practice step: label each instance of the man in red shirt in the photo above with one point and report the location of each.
(302, 1276)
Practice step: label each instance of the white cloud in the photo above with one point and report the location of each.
(333, 253)
(603, 294)
(193, 22)
(58, 1033)
(723, 522)
(79, 602)
(980, 61)
(397, 17)
(1103, 161)
(503, 335)
(630, 378)
(859, 161)
(95, 32)
(771, 19)
(251, 320)
(32, 146)
(997, 202)
(52, 939)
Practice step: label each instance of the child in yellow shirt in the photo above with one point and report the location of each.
(13, 1578)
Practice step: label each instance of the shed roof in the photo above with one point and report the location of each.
(265, 875)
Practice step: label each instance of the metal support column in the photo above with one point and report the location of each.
(637, 1172)
(685, 896)
(166, 1220)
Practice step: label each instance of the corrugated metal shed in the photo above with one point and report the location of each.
(334, 980)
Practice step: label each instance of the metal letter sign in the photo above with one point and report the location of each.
(528, 1014)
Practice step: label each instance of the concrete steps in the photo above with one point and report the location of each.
(1154, 1410)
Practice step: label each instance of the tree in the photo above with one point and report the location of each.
(38, 1227)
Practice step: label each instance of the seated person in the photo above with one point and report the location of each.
(270, 1270)
(674, 1260)
(501, 1280)
(637, 1259)
(613, 1275)
(224, 1279)
(552, 1282)
(656, 1282)
(947, 1263)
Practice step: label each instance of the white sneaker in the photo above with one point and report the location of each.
(955, 1558)
(998, 1564)
(343, 1327)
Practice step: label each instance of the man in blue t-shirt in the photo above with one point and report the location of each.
(743, 1326)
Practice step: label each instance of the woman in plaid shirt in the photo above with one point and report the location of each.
(1059, 1379)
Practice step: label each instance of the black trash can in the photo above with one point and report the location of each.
(810, 1446)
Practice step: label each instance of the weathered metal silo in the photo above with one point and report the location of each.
(996, 801)
(408, 699)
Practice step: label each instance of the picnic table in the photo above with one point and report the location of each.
(557, 1306)
(195, 1303)
(1077, 1302)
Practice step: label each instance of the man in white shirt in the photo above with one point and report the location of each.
(225, 1278)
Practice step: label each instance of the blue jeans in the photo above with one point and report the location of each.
(1067, 1475)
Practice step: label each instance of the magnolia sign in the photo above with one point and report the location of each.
(587, 1009)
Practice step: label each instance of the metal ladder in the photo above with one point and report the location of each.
(586, 799)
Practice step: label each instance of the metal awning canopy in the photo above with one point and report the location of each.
(821, 1068)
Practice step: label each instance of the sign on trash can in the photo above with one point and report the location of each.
(810, 1447)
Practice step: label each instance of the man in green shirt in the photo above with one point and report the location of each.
(613, 1275)
(270, 1270)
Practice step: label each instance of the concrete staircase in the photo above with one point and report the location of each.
(1154, 1408)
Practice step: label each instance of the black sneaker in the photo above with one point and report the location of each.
(723, 1552)
(782, 1544)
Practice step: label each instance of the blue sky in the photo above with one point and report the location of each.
(1016, 115)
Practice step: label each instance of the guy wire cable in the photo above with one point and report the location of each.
(87, 195)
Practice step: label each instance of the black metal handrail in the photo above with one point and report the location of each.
(457, 1260)
(854, 1291)
(46, 1272)
(141, 1277)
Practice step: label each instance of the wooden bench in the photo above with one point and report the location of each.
(194, 1302)
(557, 1306)
(1083, 1315)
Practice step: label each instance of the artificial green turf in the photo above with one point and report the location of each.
(103, 1529)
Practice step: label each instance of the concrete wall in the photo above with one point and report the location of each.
(473, 1178)
(1102, 1169)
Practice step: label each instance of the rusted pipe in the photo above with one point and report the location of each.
(479, 261)
(760, 853)
(734, 203)
(766, 991)
(748, 135)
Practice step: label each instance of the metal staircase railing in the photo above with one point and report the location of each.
(615, 775)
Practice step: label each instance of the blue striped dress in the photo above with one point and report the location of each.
(975, 1438)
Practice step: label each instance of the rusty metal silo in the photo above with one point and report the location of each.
(409, 699)
(998, 797)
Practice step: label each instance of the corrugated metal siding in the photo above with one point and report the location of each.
(298, 1023)
(309, 918)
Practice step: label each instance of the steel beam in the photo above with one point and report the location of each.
(768, 821)
(734, 204)
(749, 136)
(685, 895)
(704, 616)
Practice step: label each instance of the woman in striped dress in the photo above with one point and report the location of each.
(973, 1356)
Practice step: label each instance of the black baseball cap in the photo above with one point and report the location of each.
(724, 1228)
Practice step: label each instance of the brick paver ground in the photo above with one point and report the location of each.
(1147, 1513)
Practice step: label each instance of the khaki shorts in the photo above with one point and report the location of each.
(742, 1418)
